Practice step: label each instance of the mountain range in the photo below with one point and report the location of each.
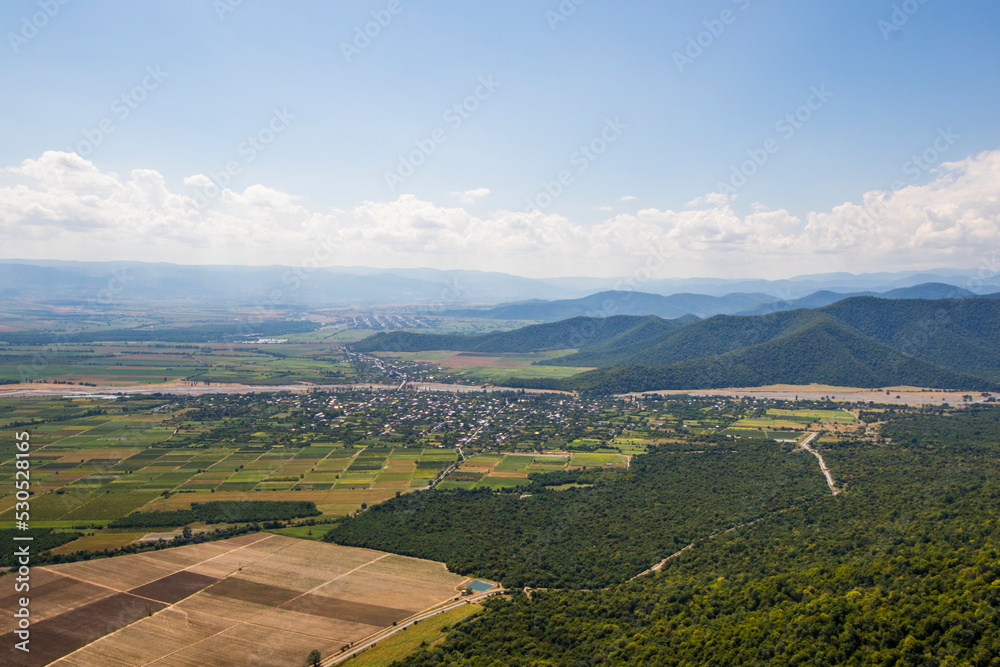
(859, 341)
(435, 289)
(619, 302)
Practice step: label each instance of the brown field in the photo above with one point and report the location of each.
(175, 587)
(258, 599)
(91, 454)
(59, 635)
(400, 465)
(401, 484)
(475, 465)
(51, 595)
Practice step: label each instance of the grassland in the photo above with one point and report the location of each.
(494, 368)
(405, 642)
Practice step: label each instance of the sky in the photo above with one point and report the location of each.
(731, 138)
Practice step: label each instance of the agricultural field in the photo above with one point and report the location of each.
(177, 343)
(255, 599)
(490, 368)
(497, 471)
(100, 458)
(116, 364)
(796, 419)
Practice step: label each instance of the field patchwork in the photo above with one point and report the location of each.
(254, 599)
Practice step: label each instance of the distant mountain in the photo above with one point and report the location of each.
(673, 306)
(89, 282)
(604, 304)
(437, 289)
(928, 291)
(826, 297)
(861, 341)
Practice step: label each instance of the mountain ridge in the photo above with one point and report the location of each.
(860, 341)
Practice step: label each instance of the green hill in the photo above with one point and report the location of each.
(823, 350)
(861, 341)
(577, 332)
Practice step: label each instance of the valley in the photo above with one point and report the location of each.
(578, 464)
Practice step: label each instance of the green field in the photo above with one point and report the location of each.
(496, 367)
(821, 416)
(770, 423)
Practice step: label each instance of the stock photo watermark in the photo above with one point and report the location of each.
(914, 167)
(900, 16)
(22, 552)
(562, 12)
(35, 23)
(248, 150)
(364, 34)
(454, 117)
(223, 7)
(714, 29)
(121, 108)
(582, 158)
(117, 284)
(787, 127)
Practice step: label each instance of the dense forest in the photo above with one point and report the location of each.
(602, 532)
(901, 569)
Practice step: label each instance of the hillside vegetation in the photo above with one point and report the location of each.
(590, 536)
(863, 341)
(902, 569)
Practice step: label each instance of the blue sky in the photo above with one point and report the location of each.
(334, 115)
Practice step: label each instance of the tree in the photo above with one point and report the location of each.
(315, 657)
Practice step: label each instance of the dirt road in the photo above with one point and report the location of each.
(388, 632)
(822, 464)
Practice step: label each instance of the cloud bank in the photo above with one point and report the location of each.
(61, 206)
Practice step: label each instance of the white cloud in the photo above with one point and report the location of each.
(627, 198)
(62, 206)
(470, 196)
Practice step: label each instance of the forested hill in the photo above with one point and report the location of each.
(862, 341)
(569, 334)
(825, 351)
